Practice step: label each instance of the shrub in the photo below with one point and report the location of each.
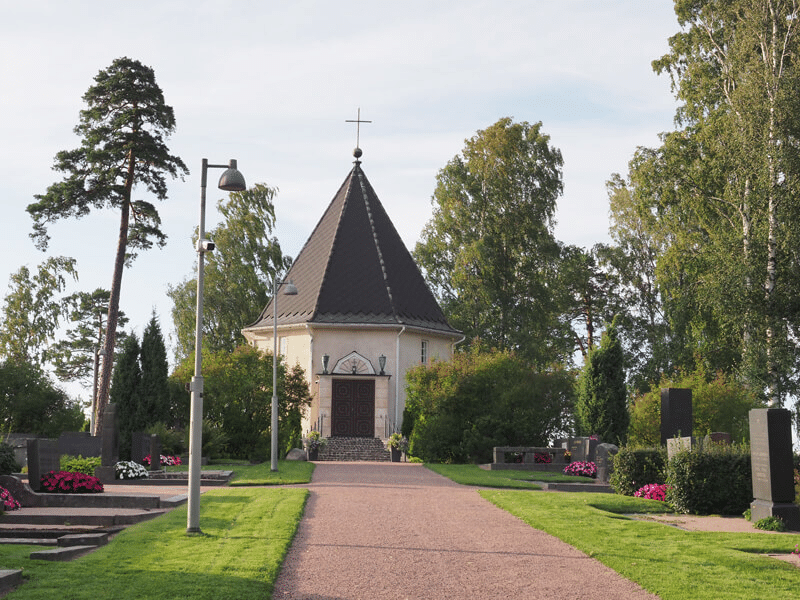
(8, 462)
(65, 482)
(171, 439)
(464, 407)
(79, 464)
(719, 403)
(711, 480)
(634, 468)
(770, 524)
(582, 469)
(128, 469)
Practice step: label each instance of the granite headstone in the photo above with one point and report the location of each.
(772, 466)
(604, 459)
(43, 457)
(676, 413)
(155, 453)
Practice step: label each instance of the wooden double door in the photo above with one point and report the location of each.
(353, 408)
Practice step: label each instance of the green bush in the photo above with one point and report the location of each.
(464, 407)
(711, 480)
(770, 524)
(171, 439)
(79, 464)
(637, 467)
(8, 462)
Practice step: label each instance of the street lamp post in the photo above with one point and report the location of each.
(230, 181)
(290, 290)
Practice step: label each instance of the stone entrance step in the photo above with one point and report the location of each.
(353, 449)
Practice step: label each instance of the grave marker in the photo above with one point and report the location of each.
(676, 413)
(772, 466)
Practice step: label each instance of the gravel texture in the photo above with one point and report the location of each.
(398, 531)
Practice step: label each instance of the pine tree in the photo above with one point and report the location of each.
(602, 408)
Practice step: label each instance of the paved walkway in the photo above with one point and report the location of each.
(398, 530)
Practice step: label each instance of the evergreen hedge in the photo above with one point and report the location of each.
(637, 467)
(715, 479)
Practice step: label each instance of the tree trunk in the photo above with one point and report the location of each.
(113, 301)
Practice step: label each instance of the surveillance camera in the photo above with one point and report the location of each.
(205, 246)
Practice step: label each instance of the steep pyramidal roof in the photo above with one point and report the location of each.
(354, 268)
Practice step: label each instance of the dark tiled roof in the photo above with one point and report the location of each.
(355, 269)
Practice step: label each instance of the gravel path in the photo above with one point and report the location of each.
(398, 530)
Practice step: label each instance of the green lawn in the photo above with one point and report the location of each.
(674, 564)
(289, 472)
(474, 475)
(247, 532)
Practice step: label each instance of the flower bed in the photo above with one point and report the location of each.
(653, 491)
(127, 469)
(9, 502)
(544, 458)
(581, 468)
(166, 461)
(65, 482)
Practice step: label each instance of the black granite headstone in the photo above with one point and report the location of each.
(676, 413)
(155, 453)
(772, 467)
(79, 443)
(140, 446)
(43, 457)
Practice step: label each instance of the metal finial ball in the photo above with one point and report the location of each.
(357, 153)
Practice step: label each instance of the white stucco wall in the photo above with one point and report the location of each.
(401, 347)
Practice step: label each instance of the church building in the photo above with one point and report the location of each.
(363, 315)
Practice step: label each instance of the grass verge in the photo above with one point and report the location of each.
(674, 564)
(289, 472)
(474, 475)
(246, 534)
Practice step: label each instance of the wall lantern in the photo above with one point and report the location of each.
(382, 363)
(325, 360)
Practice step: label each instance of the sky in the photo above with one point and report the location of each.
(272, 85)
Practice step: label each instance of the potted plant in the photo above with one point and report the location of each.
(397, 444)
(313, 442)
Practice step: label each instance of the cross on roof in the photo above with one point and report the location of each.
(358, 126)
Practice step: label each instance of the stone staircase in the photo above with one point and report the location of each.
(354, 448)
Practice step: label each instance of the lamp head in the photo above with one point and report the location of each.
(232, 179)
(290, 289)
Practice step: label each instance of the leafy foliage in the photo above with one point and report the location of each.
(73, 356)
(462, 408)
(32, 309)
(601, 408)
(30, 402)
(637, 467)
(237, 399)
(79, 464)
(716, 479)
(237, 275)
(719, 403)
(488, 252)
(8, 461)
